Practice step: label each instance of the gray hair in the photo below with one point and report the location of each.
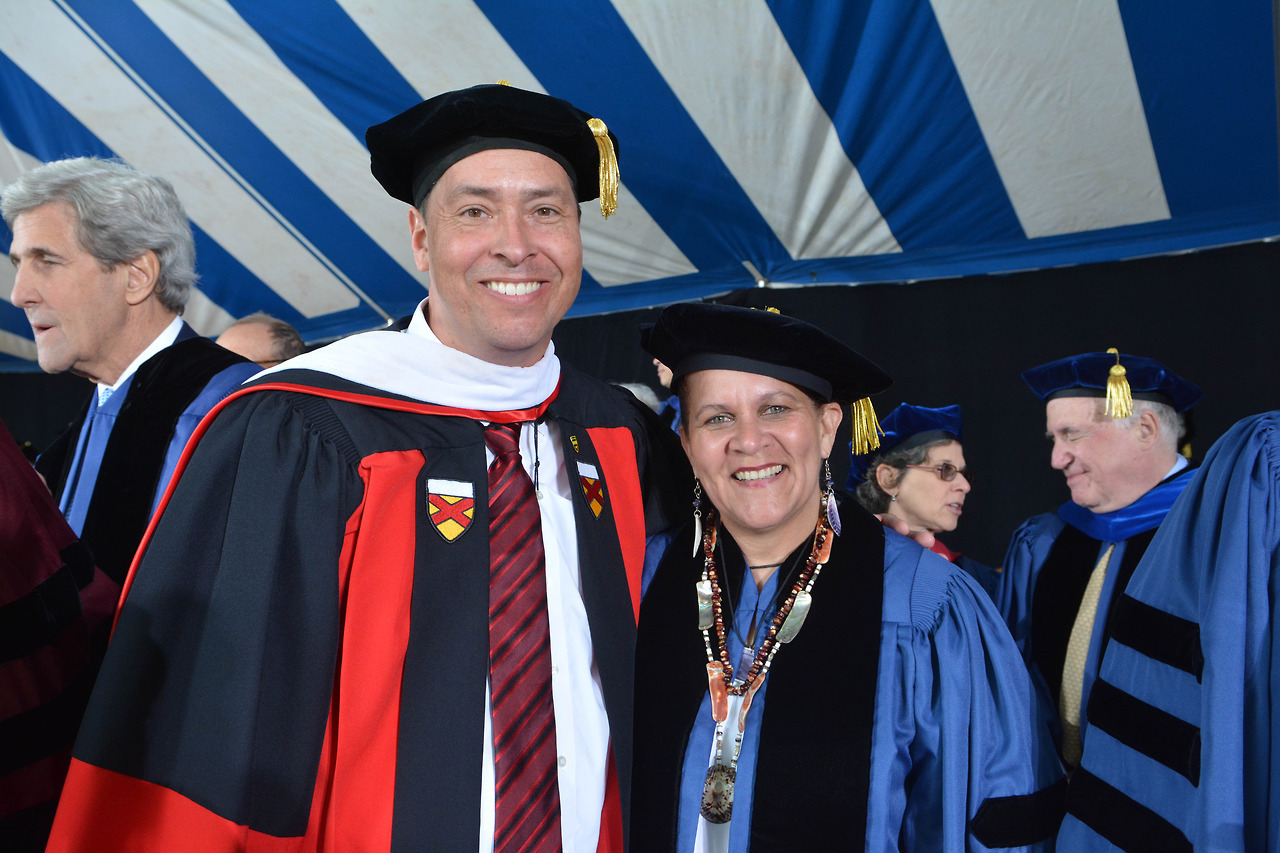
(121, 213)
(1173, 426)
(285, 339)
(874, 498)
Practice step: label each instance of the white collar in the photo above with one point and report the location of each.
(164, 340)
(415, 364)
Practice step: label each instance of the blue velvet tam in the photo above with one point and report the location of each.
(904, 428)
(1086, 375)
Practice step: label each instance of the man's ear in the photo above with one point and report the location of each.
(1147, 429)
(144, 272)
(418, 239)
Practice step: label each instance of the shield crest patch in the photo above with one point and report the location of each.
(592, 487)
(451, 506)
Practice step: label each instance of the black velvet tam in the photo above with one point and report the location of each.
(409, 153)
(692, 336)
(1086, 375)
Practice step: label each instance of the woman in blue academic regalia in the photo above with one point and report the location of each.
(919, 475)
(805, 678)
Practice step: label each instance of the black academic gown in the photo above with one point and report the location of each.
(900, 717)
(161, 390)
(302, 655)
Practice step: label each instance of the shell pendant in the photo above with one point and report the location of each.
(717, 793)
(795, 619)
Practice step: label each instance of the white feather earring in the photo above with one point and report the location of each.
(829, 498)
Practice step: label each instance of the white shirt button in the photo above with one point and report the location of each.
(563, 761)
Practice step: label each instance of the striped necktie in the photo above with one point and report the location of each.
(1073, 666)
(527, 798)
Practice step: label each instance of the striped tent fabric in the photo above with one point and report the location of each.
(779, 142)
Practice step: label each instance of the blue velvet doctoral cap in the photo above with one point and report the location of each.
(692, 336)
(409, 153)
(905, 427)
(1086, 375)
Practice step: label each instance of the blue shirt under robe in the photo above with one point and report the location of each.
(91, 443)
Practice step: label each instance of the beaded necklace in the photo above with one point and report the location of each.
(731, 697)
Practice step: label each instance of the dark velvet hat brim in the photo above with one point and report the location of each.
(1086, 375)
(405, 147)
(763, 342)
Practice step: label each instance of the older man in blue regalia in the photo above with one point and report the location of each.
(1183, 713)
(1116, 422)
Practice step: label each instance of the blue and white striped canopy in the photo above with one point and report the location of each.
(792, 142)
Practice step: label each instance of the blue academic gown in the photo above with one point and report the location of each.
(1129, 529)
(1185, 713)
(951, 728)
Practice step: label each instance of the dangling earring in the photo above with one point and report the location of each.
(893, 498)
(697, 515)
(829, 498)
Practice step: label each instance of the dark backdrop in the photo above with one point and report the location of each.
(1211, 316)
(37, 407)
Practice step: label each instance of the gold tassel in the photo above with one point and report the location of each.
(866, 429)
(608, 168)
(1119, 397)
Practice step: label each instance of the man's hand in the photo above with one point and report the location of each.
(924, 537)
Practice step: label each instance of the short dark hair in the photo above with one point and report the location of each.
(875, 499)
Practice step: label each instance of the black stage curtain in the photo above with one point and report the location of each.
(1212, 316)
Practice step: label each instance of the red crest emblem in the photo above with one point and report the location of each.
(592, 487)
(451, 506)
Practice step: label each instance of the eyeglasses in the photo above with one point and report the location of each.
(946, 471)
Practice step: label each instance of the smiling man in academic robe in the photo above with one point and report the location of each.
(391, 603)
(1116, 422)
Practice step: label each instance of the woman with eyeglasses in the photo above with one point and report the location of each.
(807, 679)
(919, 476)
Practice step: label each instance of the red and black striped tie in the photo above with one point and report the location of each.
(524, 734)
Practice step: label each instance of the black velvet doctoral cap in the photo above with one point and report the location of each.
(692, 336)
(1086, 375)
(409, 153)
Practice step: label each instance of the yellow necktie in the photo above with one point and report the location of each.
(1073, 666)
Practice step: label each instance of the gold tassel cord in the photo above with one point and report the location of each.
(1119, 395)
(608, 168)
(866, 428)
